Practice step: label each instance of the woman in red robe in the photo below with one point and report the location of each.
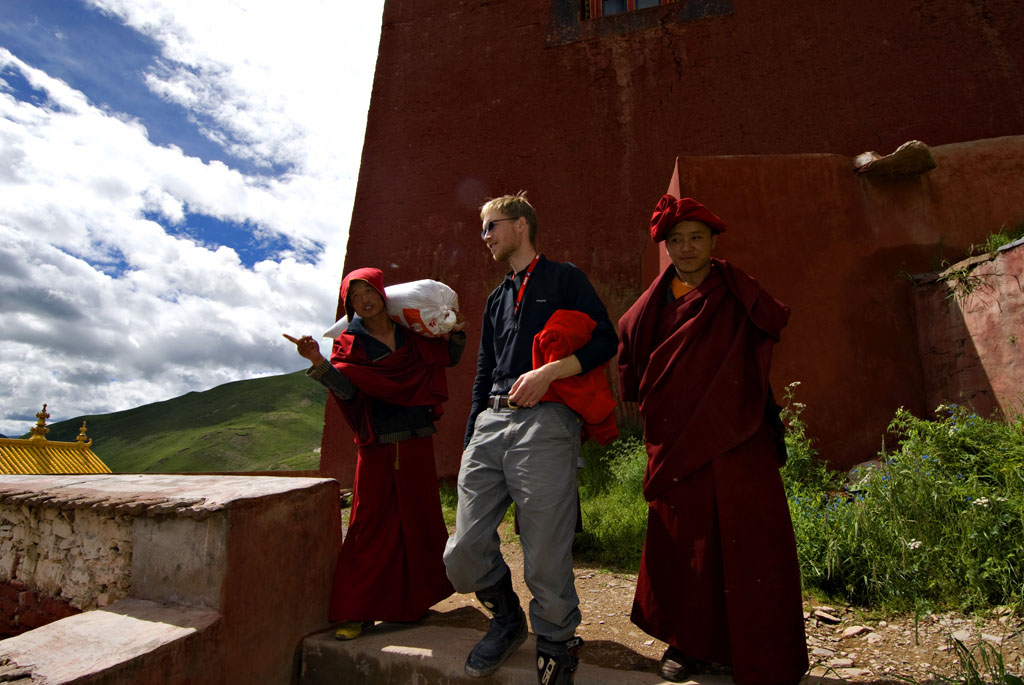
(719, 579)
(389, 383)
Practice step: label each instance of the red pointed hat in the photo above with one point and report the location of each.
(669, 211)
(375, 277)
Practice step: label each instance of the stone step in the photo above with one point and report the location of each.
(127, 642)
(416, 654)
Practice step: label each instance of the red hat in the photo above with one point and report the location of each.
(374, 277)
(669, 211)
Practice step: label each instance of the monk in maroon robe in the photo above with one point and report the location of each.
(389, 383)
(719, 579)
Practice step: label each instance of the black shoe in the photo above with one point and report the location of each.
(677, 667)
(506, 632)
(557, 660)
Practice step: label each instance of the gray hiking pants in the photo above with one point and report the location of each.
(526, 456)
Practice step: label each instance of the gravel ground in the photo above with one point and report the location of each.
(843, 643)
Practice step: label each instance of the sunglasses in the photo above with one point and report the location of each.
(489, 226)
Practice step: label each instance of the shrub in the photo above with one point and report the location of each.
(939, 524)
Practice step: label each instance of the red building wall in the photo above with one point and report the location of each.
(475, 99)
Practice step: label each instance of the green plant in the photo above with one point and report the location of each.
(612, 503)
(1004, 236)
(939, 523)
(961, 283)
(979, 666)
(804, 473)
(449, 503)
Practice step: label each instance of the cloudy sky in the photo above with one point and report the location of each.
(176, 184)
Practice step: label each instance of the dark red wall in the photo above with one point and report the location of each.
(22, 609)
(476, 99)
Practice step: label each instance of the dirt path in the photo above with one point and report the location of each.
(880, 650)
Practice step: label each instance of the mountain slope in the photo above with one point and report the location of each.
(262, 424)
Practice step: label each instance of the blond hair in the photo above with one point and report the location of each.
(513, 207)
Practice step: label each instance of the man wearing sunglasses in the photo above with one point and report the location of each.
(522, 448)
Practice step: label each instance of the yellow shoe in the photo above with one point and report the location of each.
(350, 630)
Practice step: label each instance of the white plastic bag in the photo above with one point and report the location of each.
(426, 307)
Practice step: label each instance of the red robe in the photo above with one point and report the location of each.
(390, 567)
(719, 577)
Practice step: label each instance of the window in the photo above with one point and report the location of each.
(591, 9)
(569, 21)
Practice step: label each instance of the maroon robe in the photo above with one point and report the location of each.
(719, 577)
(391, 567)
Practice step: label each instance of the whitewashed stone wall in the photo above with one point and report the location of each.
(80, 555)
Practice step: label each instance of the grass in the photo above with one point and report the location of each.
(612, 503)
(980, 665)
(1004, 236)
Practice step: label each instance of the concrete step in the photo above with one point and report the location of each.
(434, 655)
(131, 641)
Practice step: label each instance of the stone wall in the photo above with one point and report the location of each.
(54, 563)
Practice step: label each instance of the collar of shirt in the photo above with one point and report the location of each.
(374, 348)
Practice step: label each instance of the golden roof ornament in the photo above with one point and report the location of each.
(40, 430)
(82, 441)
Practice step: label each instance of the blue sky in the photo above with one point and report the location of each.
(176, 184)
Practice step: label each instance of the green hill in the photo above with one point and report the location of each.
(263, 424)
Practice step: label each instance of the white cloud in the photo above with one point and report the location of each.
(100, 308)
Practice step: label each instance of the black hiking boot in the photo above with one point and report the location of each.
(557, 660)
(506, 632)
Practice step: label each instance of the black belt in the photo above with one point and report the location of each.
(501, 402)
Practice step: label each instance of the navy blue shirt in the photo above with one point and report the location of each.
(506, 338)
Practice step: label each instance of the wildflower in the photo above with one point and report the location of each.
(981, 502)
(914, 544)
(793, 384)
